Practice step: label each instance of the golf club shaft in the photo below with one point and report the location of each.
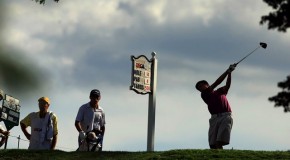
(247, 55)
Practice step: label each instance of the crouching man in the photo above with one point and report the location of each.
(90, 123)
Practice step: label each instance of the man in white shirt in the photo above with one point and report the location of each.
(91, 117)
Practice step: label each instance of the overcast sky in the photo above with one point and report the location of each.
(81, 45)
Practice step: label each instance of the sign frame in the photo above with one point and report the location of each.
(141, 75)
(10, 111)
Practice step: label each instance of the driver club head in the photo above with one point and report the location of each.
(263, 45)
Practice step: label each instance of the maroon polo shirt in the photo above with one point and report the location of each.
(216, 100)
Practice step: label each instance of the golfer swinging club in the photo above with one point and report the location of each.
(220, 123)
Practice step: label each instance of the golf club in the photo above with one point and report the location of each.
(262, 44)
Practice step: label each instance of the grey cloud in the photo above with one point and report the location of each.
(100, 58)
(107, 59)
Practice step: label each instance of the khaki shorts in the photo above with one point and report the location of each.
(220, 126)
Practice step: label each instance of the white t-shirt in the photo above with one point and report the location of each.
(91, 118)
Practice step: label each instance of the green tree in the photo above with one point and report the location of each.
(280, 18)
(282, 99)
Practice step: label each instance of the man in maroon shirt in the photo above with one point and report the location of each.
(220, 123)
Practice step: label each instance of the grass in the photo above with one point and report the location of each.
(14, 154)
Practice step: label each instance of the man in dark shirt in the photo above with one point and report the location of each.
(221, 120)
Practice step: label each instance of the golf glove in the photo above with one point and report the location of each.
(82, 135)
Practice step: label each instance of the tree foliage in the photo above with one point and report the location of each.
(280, 18)
(282, 99)
(18, 74)
(43, 1)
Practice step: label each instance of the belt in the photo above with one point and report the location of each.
(221, 114)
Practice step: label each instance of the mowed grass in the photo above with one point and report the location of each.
(164, 155)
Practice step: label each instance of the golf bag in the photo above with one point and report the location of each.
(92, 142)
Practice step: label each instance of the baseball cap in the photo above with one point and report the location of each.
(45, 99)
(95, 93)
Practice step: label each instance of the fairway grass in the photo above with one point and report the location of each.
(15, 154)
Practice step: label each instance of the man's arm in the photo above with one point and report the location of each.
(53, 143)
(222, 77)
(78, 126)
(23, 128)
(228, 83)
(55, 132)
(5, 133)
(103, 128)
(3, 139)
(79, 118)
(219, 80)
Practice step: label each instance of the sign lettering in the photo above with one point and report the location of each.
(141, 75)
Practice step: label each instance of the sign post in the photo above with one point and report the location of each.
(152, 104)
(144, 81)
